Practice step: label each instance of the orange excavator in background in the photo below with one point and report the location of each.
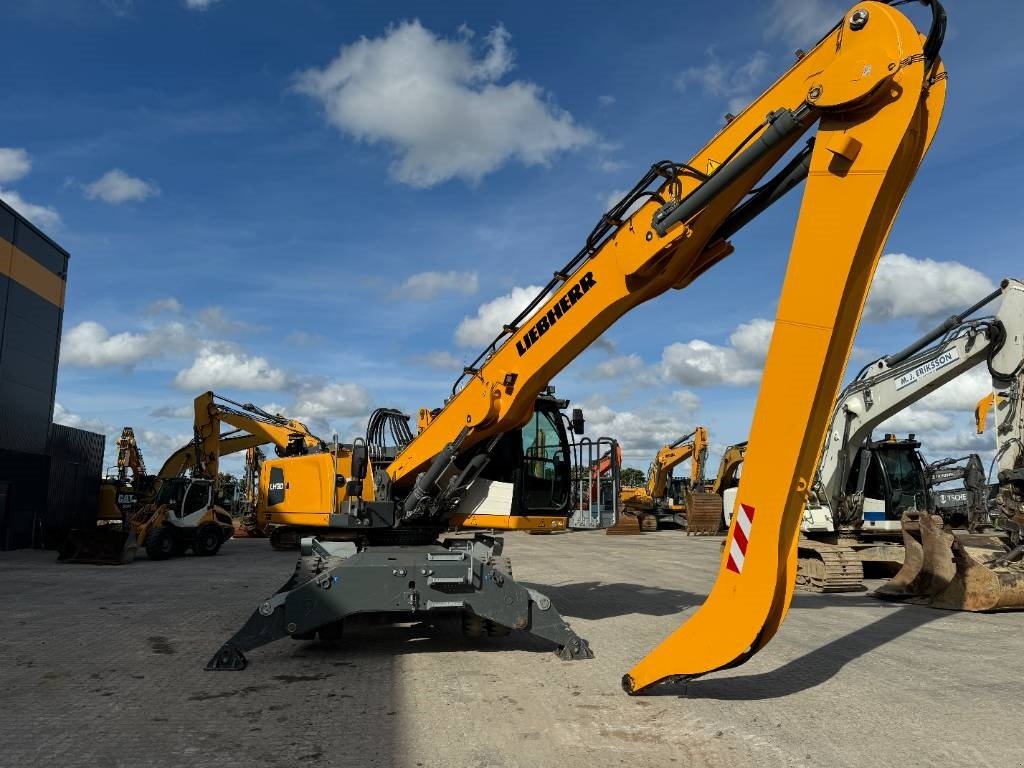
(662, 501)
(874, 89)
(183, 507)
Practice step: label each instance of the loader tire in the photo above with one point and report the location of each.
(160, 543)
(208, 540)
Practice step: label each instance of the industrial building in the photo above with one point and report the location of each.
(49, 473)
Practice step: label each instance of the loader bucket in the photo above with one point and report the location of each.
(703, 513)
(105, 545)
(927, 559)
(626, 524)
(987, 577)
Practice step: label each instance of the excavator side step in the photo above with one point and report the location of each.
(418, 583)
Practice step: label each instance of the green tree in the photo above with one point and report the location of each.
(632, 477)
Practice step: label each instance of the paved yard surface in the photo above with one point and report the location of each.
(104, 666)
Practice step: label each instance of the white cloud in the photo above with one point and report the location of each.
(216, 320)
(738, 83)
(915, 419)
(62, 415)
(923, 288)
(641, 433)
(14, 163)
(802, 22)
(221, 365)
(606, 100)
(170, 305)
(437, 104)
(331, 399)
(687, 401)
(199, 5)
(962, 393)
(614, 367)
(700, 363)
(116, 187)
(491, 317)
(91, 345)
(441, 360)
(43, 216)
(425, 286)
(174, 412)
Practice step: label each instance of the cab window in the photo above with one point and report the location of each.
(545, 474)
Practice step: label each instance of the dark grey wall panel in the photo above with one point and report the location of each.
(25, 478)
(27, 369)
(24, 417)
(33, 308)
(7, 219)
(32, 242)
(76, 465)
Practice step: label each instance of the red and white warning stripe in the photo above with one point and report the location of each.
(740, 538)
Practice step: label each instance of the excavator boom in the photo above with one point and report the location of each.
(874, 88)
(870, 142)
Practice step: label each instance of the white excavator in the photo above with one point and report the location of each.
(863, 487)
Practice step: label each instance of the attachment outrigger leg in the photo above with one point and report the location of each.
(460, 577)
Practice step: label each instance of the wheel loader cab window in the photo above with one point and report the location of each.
(197, 498)
(545, 467)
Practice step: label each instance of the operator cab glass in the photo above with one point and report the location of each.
(895, 477)
(545, 469)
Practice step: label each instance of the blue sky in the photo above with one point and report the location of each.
(307, 206)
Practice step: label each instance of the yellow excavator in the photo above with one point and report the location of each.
(874, 89)
(184, 508)
(662, 501)
(705, 506)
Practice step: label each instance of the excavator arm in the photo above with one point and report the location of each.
(732, 458)
(287, 435)
(667, 459)
(855, 85)
(129, 456)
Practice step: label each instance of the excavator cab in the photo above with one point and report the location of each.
(526, 485)
(888, 478)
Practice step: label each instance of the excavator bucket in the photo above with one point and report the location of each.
(626, 524)
(928, 566)
(703, 513)
(104, 545)
(987, 578)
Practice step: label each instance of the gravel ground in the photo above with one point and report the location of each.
(104, 666)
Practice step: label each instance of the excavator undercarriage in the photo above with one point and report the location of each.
(459, 578)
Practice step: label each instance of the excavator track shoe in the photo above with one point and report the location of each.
(828, 568)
